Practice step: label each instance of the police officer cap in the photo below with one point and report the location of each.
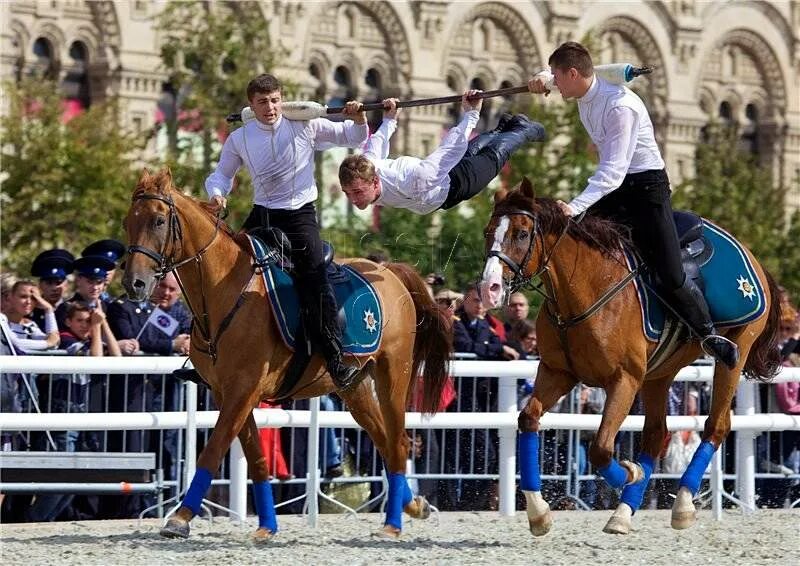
(52, 264)
(111, 249)
(94, 266)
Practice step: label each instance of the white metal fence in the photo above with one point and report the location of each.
(747, 422)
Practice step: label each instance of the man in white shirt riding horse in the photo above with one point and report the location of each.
(630, 184)
(278, 153)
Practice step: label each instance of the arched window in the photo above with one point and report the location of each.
(76, 80)
(374, 81)
(486, 110)
(315, 71)
(343, 87)
(749, 136)
(44, 64)
(725, 112)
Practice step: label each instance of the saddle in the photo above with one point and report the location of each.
(278, 248)
(721, 268)
(696, 249)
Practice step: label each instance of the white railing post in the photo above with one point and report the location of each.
(716, 484)
(745, 454)
(190, 452)
(237, 498)
(507, 402)
(312, 473)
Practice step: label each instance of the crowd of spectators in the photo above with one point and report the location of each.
(41, 315)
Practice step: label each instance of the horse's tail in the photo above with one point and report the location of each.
(433, 343)
(764, 359)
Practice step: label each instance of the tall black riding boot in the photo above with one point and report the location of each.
(330, 341)
(690, 303)
(480, 141)
(519, 130)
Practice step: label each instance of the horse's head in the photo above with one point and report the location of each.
(154, 233)
(510, 244)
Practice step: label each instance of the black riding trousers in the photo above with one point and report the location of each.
(642, 202)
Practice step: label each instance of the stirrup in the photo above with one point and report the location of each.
(347, 377)
(721, 348)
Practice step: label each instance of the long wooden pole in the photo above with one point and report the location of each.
(637, 71)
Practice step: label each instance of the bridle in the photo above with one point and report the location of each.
(520, 279)
(166, 262)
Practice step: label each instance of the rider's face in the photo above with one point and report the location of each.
(362, 193)
(267, 106)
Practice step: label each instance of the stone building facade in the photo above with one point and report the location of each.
(714, 59)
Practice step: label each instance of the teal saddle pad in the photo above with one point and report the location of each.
(733, 291)
(358, 303)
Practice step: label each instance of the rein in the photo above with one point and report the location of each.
(521, 280)
(166, 264)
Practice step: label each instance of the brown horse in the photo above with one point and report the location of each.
(590, 330)
(238, 351)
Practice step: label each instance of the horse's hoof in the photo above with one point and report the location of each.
(635, 471)
(620, 521)
(684, 513)
(418, 508)
(262, 535)
(388, 532)
(683, 519)
(175, 528)
(541, 525)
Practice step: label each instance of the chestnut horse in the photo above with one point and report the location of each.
(590, 330)
(237, 349)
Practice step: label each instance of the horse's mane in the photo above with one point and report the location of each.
(596, 232)
(155, 184)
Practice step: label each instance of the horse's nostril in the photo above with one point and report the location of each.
(138, 284)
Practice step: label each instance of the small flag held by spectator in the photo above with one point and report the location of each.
(161, 320)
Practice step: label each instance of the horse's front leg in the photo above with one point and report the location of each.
(262, 489)
(549, 387)
(621, 393)
(237, 404)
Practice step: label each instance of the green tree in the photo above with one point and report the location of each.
(65, 183)
(210, 51)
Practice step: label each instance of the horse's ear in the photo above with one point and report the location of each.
(166, 177)
(500, 195)
(526, 188)
(144, 175)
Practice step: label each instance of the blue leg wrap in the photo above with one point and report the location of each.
(634, 493)
(265, 507)
(614, 474)
(529, 473)
(399, 495)
(197, 490)
(694, 472)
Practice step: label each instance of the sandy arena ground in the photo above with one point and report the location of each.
(768, 537)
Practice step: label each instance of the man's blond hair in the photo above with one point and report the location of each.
(355, 167)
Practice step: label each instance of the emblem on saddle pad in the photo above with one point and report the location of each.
(369, 320)
(748, 289)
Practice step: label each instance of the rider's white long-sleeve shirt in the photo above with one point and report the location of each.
(419, 185)
(280, 158)
(619, 125)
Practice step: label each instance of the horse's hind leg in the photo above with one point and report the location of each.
(262, 489)
(367, 414)
(717, 427)
(393, 378)
(236, 405)
(654, 399)
(549, 387)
